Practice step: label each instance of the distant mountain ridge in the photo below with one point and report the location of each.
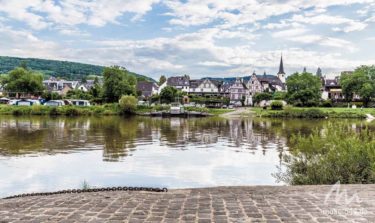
(64, 69)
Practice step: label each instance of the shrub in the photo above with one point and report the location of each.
(327, 103)
(128, 104)
(313, 113)
(277, 105)
(336, 154)
(71, 111)
(53, 111)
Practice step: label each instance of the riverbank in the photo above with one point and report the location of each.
(106, 109)
(316, 112)
(218, 204)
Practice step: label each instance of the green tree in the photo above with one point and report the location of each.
(303, 89)
(24, 81)
(361, 82)
(258, 97)
(117, 82)
(168, 94)
(279, 95)
(162, 79)
(128, 104)
(51, 96)
(78, 94)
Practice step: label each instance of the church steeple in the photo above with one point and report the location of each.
(281, 67)
(281, 73)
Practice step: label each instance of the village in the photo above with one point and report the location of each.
(212, 92)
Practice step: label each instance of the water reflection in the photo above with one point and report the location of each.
(40, 153)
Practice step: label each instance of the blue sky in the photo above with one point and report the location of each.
(196, 37)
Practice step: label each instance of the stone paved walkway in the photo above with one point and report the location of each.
(221, 204)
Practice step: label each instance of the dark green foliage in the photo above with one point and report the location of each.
(162, 79)
(361, 82)
(278, 95)
(63, 69)
(277, 105)
(339, 153)
(117, 82)
(51, 96)
(303, 89)
(168, 94)
(326, 103)
(258, 97)
(78, 94)
(23, 81)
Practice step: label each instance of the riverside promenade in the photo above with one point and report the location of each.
(340, 203)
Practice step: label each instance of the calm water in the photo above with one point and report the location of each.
(47, 154)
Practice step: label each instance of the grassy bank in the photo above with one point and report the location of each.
(295, 112)
(107, 109)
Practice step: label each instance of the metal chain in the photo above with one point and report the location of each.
(78, 191)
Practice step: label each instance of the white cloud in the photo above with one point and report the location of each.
(73, 12)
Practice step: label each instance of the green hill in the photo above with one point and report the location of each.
(63, 69)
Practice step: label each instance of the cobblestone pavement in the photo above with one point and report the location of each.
(220, 204)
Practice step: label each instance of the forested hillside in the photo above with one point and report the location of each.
(62, 69)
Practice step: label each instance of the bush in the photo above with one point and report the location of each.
(71, 111)
(313, 113)
(53, 111)
(277, 105)
(128, 104)
(336, 154)
(326, 103)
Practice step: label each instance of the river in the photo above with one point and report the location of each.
(47, 154)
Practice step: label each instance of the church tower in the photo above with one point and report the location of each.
(281, 73)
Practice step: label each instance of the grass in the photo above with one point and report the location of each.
(106, 109)
(316, 112)
(339, 153)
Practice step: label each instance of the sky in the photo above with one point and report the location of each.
(200, 38)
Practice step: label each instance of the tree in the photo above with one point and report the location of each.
(162, 79)
(319, 72)
(279, 95)
(361, 82)
(168, 94)
(78, 94)
(24, 81)
(303, 89)
(96, 90)
(51, 96)
(117, 82)
(258, 97)
(128, 104)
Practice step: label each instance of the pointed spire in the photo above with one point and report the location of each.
(264, 73)
(281, 67)
(304, 70)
